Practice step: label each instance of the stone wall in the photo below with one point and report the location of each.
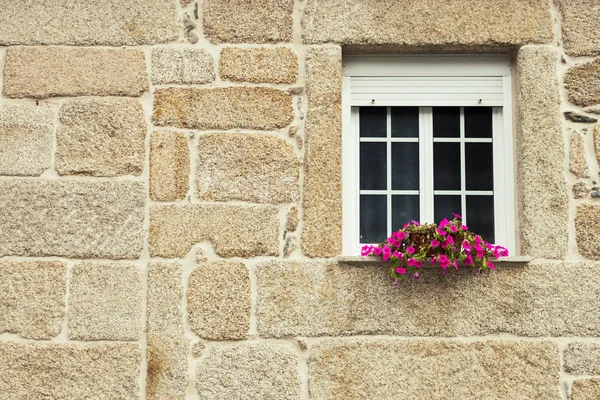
(170, 206)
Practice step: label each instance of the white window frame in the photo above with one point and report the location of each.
(429, 66)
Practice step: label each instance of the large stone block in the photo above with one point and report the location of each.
(257, 65)
(67, 71)
(318, 299)
(182, 66)
(233, 230)
(587, 230)
(583, 84)
(245, 21)
(585, 389)
(101, 137)
(428, 23)
(166, 344)
(104, 22)
(169, 166)
(322, 200)
(577, 163)
(433, 370)
(579, 26)
(69, 371)
(25, 139)
(249, 167)
(223, 108)
(218, 301)
(581, 358)
(541, 189)
(32, 298)
(70, 218)
(105, 302)
(249, 371)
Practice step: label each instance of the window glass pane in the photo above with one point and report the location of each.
(373, 166)
(373, 218)
(405, 208)
(373, 121)
(444, 206)
(405, 121)
(478, 122)
(446, 166)
(446, 122)
(405, 166)
(479, 164)
(480, 216)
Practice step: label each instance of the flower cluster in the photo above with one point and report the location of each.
(448, 244)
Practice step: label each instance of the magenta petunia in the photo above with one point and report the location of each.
(466, 245)
(410, 250)
(468, 260)
(418, 263)
(444, 261)
(443, 223)
(435, 243)
(464, 227)
(398, 255)
(492, 266)
(411, 262)
(453, 228)
(433, 260)
(440, 232)
(455, 265)
(401, 270)
(457, 216)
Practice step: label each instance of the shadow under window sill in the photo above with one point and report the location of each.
(372, 260)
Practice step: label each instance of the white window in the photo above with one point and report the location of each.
(425, 137)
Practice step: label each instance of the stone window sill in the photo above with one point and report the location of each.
(371, 260)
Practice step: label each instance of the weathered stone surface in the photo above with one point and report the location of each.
(587, 230)
(249, 167)
(585, 389)
(169, 166)
(582, 358)
(68, 371)
(318, 299)
(71, 218)
(218, 301)
(579, 118)
(68, 71)
(580, 190)
(243, 21)
(597, 142)
(182, 66)
(25, 139)
(249, 371)
(418, 369)
(223, 108)
(257, 65)
(101, 137)
(105, 22)
(541, 187)
(577, 163)
(32, 298)
(579, 26)
(105, 302)
(233, 230)
(292, 220)
(198, 349)
(165, 337)
(428, 23)
(322, 215)
(583, 84)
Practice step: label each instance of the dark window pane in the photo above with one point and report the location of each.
(480, 216)
(373, 164)
(373, 121)
(405, 121)
(478, 122)
(446, 166)
(405, 166)
(479, 164)
(446, 122)
(373, 218)
(444, 206)
(405, 208)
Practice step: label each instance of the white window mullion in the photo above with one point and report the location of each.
(389, 170)
(426, 163)
(463, 170)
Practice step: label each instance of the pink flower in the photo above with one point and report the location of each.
(411, 262)
(435, 243)
(466, 245)
(444, 261)
(488, 246)
(457, 216)
(450, 240)
(443, 223)
(401, 271)
(453, 228)
(376, 251)
(418, 263)
(492, 266)
(478, 239)
(410, 250)
(416, 223)
(406, 225)
(455, 264)
(433, 260)
(366, 250)
(399, 236)
(440, 232)
(469, 260)
(398, 255)
(392, 241)
(464, 227)
(387, 252)
(416, 275)
(480, 254)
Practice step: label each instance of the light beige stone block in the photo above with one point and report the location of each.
(258, 65)
(541, 188)
(577, 164)
(223, 108)
(32, 298)
(248, 167)
(101, 137)
(583, 84)
(322, 200)
(182, 66)
(169, 166)
(579, 26)
(428, 23)
(318, 299)
(580, 190)
(218, 301)
(25, 139)
(93, 22)
(587, 230)
(107, 371)
(585, 389)
(249, 371)
(292, 220)
(597, 143)
(244, 21)
(105, 302)
(71, 218)
(233, 230)
(41, 72)
(166, 345)
(435, 370)
(582, 358)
